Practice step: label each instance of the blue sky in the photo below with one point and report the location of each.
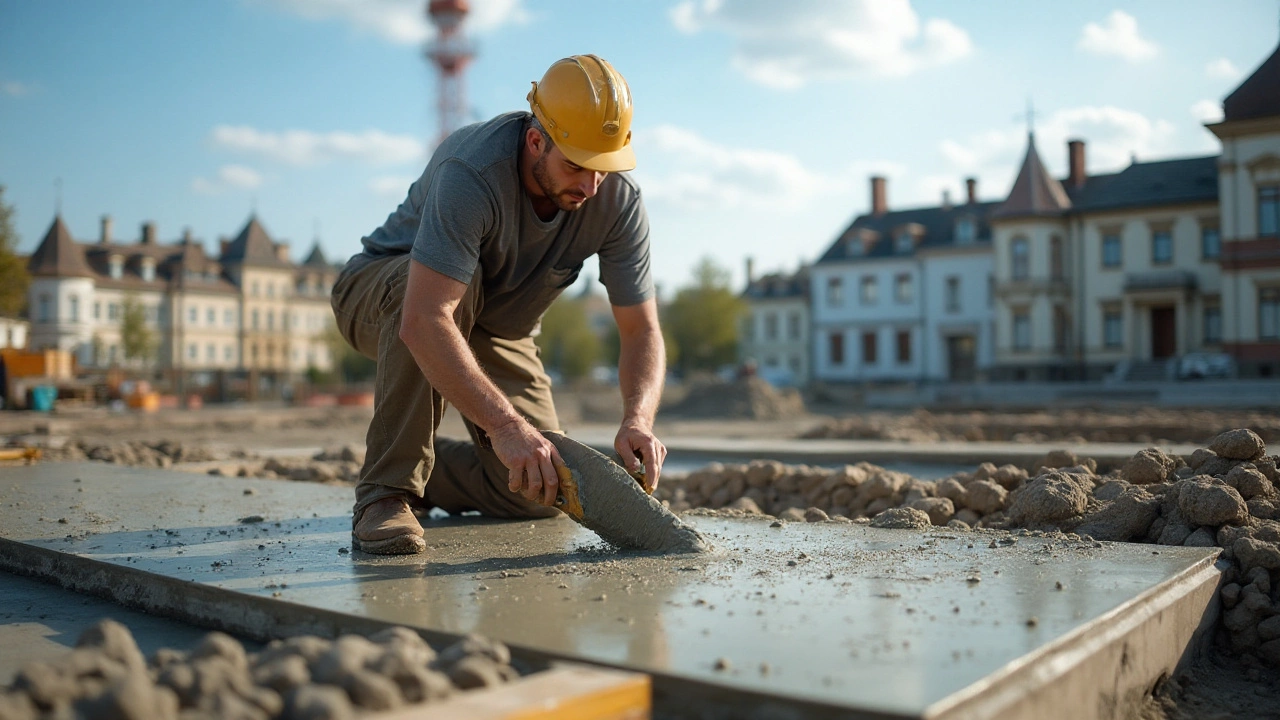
(757, 122)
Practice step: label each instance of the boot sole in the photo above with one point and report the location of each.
(407, 544)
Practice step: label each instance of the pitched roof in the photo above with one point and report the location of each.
(1259, 95)
(779, 285)
(1163, 182)
(316, 258)
(876, 232)
(59, 254)
(253, 246)
(1035, 192)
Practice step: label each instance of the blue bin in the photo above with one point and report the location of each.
(42, 397)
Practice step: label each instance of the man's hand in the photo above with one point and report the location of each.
(531, 461)
(635, 444)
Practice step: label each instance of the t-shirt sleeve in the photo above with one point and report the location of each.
(624, 258)
(458, 212)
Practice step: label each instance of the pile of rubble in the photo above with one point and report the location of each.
(160, 454)
(339, 465)
(304, 677)
(749, 398)
(1079, 425)
(1224, 495)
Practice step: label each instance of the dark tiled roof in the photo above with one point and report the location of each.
(1164, 182)
(316, 258)
(1259, 95)
(938, 225)
(58, 254)
(253, 246)
(779, 285)
(1035, 192)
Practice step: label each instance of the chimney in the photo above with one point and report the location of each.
(148, 233)
(105, 239)
(879, 196)
(751, 270)
(1075, 160)
(187, 239)
(282, 251)
(971, 186)
(946, 199)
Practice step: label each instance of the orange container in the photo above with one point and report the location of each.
(144, 401)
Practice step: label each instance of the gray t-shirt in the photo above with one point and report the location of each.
(468, 213)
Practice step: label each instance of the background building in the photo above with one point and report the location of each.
(775, 329)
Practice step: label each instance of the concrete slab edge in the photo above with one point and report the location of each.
(1117, 658)
(264, 619)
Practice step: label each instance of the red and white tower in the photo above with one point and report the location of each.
(450, 52)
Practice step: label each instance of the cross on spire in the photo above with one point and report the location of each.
(1031, 117)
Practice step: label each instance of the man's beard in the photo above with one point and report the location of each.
(563, 199)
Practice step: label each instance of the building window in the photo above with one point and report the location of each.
(46, 309)
(255, 319)
(904, 347)
(1061, 327)
(1111, 255)
(271, 289)
(793, 325)
(771, 361)
(210, 317)
(115, 267)
(868, 290)
(1161, 247)
(905, 242)
(211, 353)
(193, 315)
(1056, 264)
(148, 270)
(227, 353)
(770, 327)
(1269, 313)
(903, 290)
(113, 311)
(1269, 210)
(229, 318)
(1212, 325)
(749, 328)
(953, 293)
(1021, 257)
(253, 288)
(965, 231)
(835, 348)
(1210, 243)
(271, 319)
(75, 308)
(193, 352)
(835, 292)
(97, 311)
(1021, 330)
(869, 348)
(1112, 327)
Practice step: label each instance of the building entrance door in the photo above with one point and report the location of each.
(961, 351)
(1164, 332)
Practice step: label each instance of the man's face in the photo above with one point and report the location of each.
(565, 183)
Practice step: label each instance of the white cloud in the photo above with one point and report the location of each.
(1118, 36)
(304, 147)
(696, 174)
(1113, 136)
(229, 177)
(392, 187)
(403, 21)
(1207, 111)
(786, 45)
(1222, 69)
(14, 88)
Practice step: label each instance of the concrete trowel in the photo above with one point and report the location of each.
(603, 497)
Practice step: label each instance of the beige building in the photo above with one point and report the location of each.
(250, 308)
(1125, 272)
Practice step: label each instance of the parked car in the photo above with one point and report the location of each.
(1199, 366)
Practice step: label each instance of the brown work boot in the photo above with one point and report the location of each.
(388, 527)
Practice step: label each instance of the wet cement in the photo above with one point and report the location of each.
(889, 621)
(601, 496)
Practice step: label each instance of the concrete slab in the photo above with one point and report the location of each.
(813, 620)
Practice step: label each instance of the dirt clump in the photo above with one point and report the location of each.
(746, 398)
(106, 676)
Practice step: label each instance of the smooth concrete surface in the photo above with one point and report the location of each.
(806, 619)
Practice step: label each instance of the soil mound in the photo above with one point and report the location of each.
(749, 398)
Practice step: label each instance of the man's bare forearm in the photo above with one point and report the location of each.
(642, 368)
(449, 365)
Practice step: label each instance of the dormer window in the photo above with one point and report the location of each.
(904, 241)
(115, 267)
(856, 247)
(965, 231)
(148, 269)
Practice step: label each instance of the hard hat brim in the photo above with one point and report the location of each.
(619, 160)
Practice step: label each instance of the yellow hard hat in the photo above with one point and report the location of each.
(585, 105)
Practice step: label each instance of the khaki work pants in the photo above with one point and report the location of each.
(403, 454)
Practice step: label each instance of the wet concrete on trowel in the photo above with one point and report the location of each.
(889, 620)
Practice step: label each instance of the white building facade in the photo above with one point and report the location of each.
(775, 329)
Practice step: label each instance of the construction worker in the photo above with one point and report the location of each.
(448, 294)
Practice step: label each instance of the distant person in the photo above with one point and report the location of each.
(448, 294)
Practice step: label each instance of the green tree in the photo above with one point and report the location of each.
(136, 337)
(347, 361)
(702, 320)
(567, 342)
(13, 268)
